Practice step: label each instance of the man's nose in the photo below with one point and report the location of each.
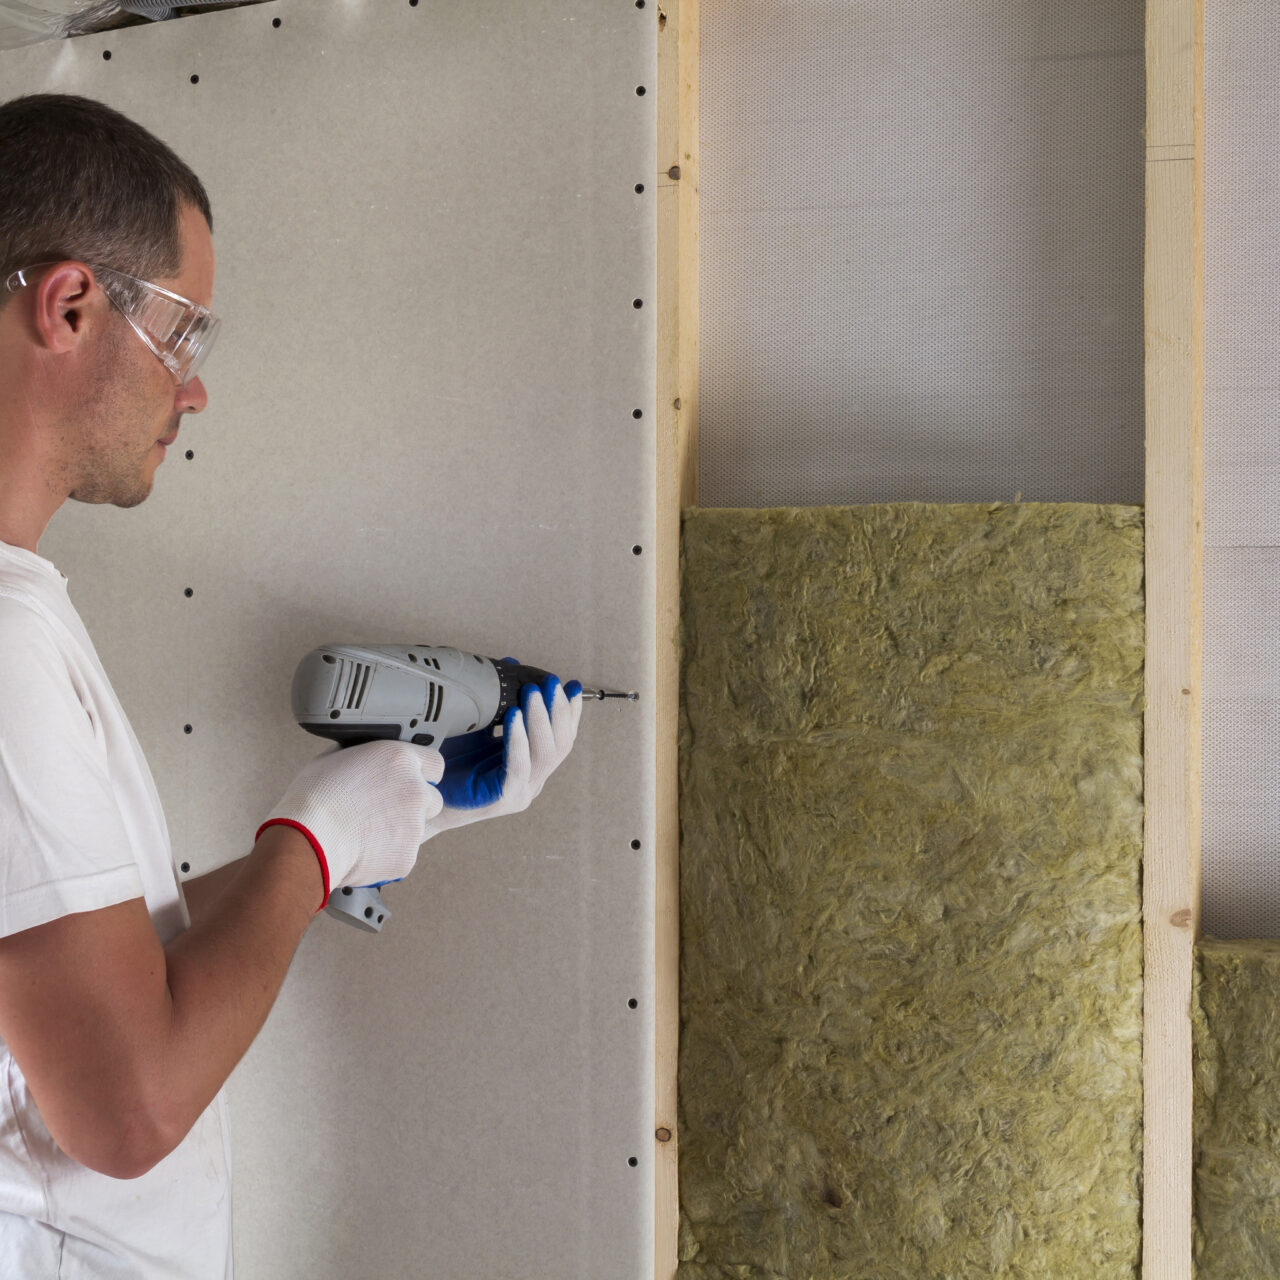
(191, 398)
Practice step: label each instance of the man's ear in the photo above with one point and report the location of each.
(67, 301)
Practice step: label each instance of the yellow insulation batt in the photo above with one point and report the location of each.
(911, 813)
(1237, 1110)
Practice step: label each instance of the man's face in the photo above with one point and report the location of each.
(132, 406)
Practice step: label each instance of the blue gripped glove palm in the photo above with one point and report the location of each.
(488, 777)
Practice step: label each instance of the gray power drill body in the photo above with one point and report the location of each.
(417, 693)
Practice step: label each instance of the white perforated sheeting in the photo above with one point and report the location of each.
(922, 236)
(1241, 894)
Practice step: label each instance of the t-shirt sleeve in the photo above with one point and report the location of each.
(63, 844)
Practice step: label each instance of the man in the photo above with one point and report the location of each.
(125, 1002)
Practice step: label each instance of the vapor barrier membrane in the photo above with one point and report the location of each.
(1237, 1109)
(911, 810)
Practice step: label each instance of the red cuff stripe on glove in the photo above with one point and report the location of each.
(312, 841)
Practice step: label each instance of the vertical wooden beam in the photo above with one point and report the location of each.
(1174, 559)
(678, 55)
(677, 478)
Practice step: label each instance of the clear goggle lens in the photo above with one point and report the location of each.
(180, 332)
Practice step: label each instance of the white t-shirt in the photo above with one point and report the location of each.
(81, 828)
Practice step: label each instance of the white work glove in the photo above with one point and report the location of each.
(366, 810)
(487, 777)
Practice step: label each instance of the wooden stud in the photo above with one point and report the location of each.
(1174, 558)
(677, 425)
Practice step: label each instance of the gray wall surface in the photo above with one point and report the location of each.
(922, 238)
(420, 429)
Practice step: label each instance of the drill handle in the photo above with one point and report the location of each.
(362, 907)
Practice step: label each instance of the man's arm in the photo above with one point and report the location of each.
(201, 892)
(124, 1042)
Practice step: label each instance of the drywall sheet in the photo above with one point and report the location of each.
(1237, 1109)
(911, 1007)
(430, 420)
(1241, 863)
(922, 248)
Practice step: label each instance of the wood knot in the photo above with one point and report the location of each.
(1181, 918)
(674, 173)
(663, 1135)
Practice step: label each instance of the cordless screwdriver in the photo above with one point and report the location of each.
(419, 693)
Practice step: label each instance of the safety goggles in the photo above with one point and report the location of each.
(179, 331)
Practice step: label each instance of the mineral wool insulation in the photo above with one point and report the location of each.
(911, 1000)
(1237, 1109)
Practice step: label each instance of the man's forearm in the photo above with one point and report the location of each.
(201, 892)
(225, 972)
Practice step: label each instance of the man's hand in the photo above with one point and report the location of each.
(365, 810)
(487, 777)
